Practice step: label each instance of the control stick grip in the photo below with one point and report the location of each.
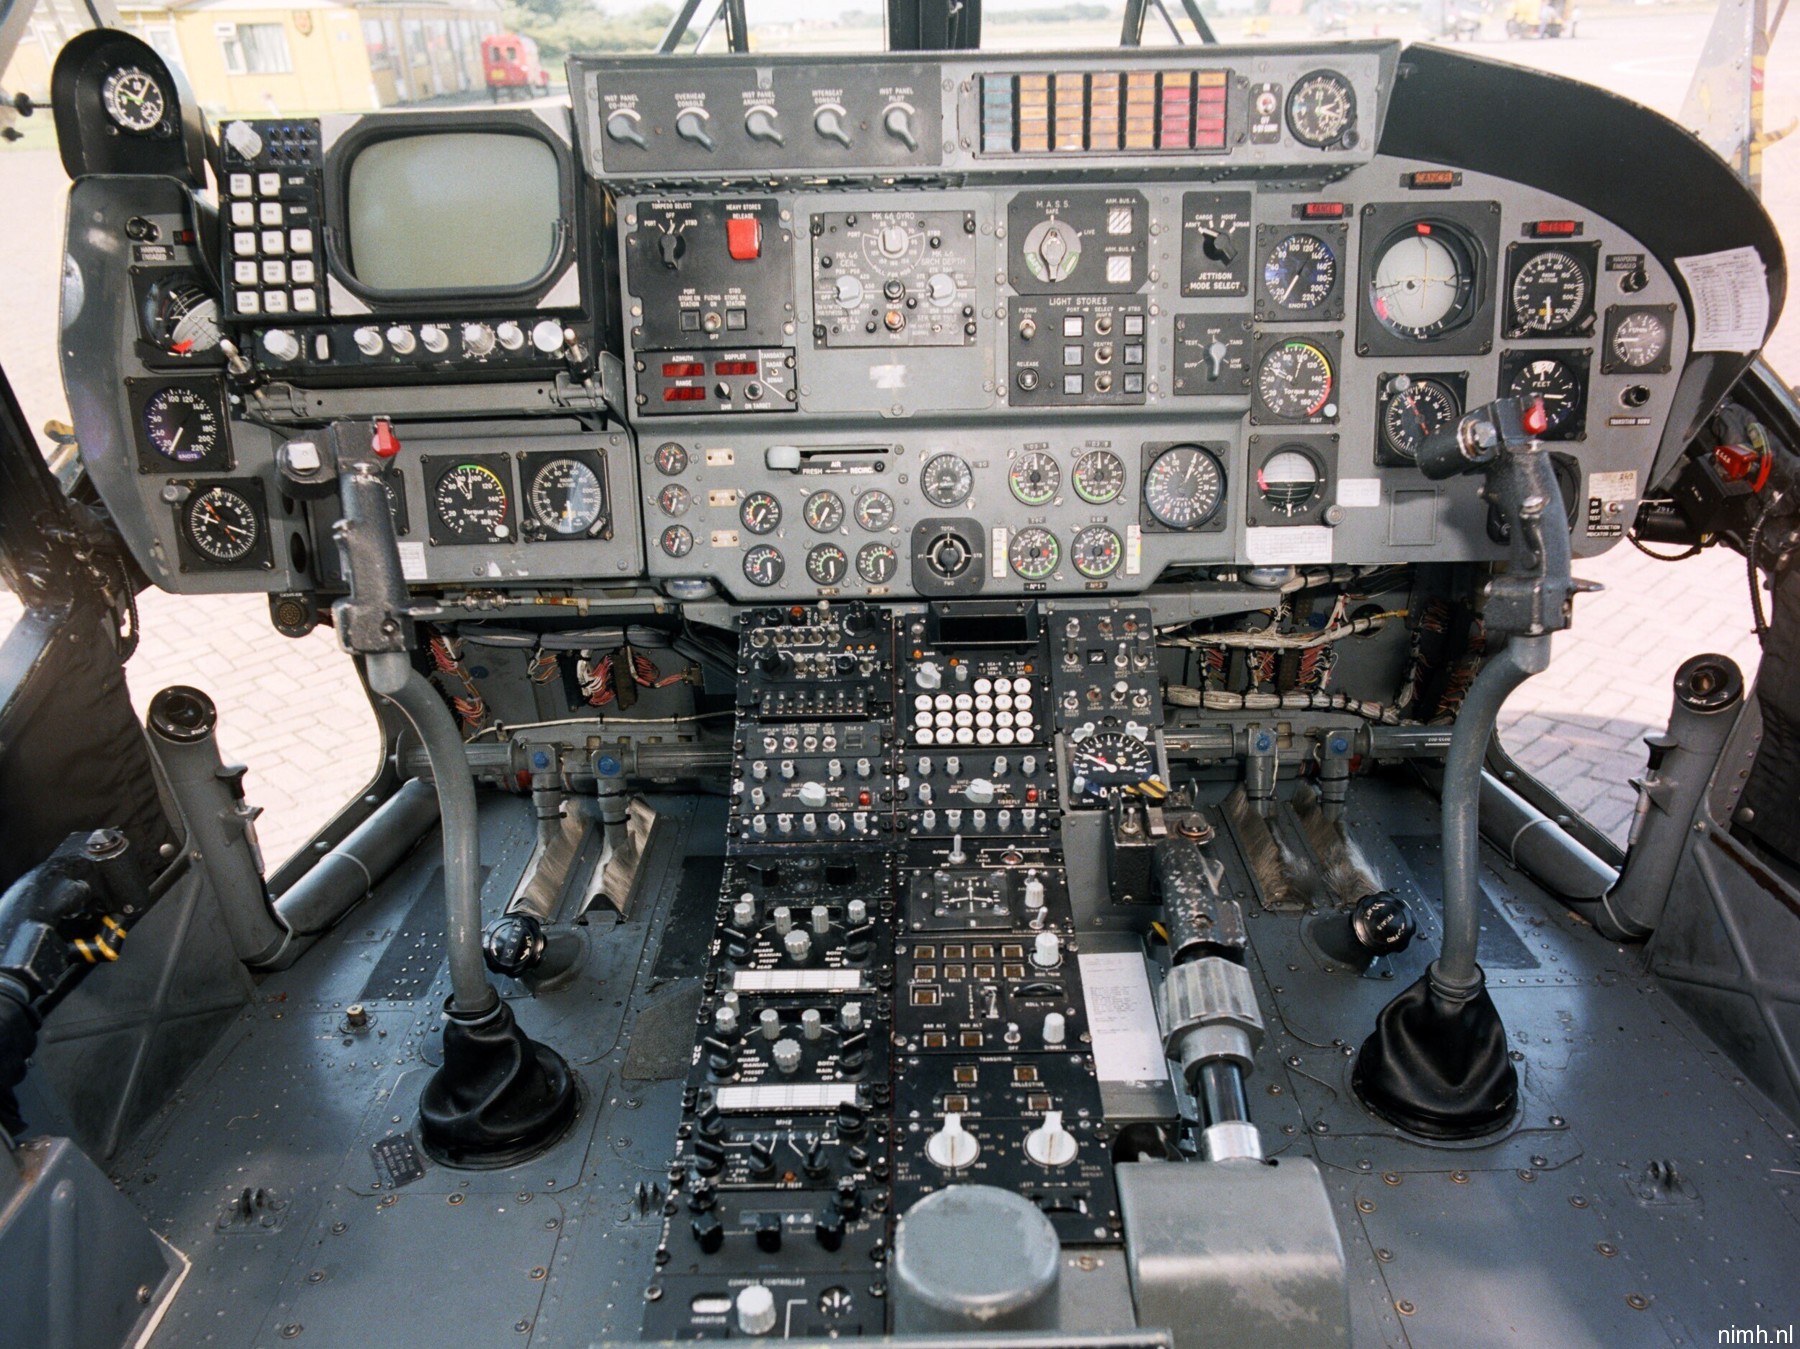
(1477, 439)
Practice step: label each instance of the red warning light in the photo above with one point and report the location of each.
(1537, 421)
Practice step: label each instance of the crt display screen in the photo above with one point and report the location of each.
(463, 211)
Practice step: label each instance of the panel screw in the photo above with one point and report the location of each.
(1636, 1301)
(1578, 1201)
(1390, 1177)
(455, 1199)
(143, 1294)
(317, 1276)
(1606, 1248)
(291, 1330)
(1383, 1254)
(653, 1293)
(538, 1272)
(1365, 1205)
(1405, 1308)
(1459, 1177)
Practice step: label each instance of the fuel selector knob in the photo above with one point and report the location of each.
(691, 124)
(953, 1148)
(897, 121)
(547, 336)
(478, 339)
(510, 335)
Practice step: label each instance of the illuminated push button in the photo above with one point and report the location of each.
(743, 238)
(243, 213)
(303, 272)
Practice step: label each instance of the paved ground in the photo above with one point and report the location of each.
(294, 712)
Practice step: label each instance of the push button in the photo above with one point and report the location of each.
(743, 238)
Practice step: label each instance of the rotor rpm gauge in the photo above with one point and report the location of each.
(1034, 553)
(677, 541)
(1034, 478)
(760, 513)
(876, 563)
(1413, 408)
(826, 564)
(1423, 282)
(1299, 273)
(1637, 339)
(1099, 477)
(222, 525)
(1321, 109)
(874, 510)
(823, 511)
(181, 423)
(1096, 552)
(1550, 292)
(764, 565)
(133, 99)
(1295, 381)
(1184, 487)
(946, 480)
(566, 497)
(1108, 759)
(471, 503)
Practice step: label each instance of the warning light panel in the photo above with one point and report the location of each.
(1105, 112)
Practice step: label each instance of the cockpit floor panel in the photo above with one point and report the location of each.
(1646, 1195)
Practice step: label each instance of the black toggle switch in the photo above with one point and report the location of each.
(703, 1197)
(709, 1232)
(849, 1198)
(768, 1233)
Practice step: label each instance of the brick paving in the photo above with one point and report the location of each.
(295, 713)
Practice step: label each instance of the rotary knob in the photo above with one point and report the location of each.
(510, 335)
(547, 336)
(940, 288)
(368, 341)
(756, 1310)
(280, 344)
(760, 125)
(401, 339)
(797, 944)
(897, 121)
(953, 1148)
(828, 121)
(1050, 1144)
(623, 126)
(478, 339)
(787, 1056)
(848, 291)
(1046, 952)
(436, 338)
(812, 795)
(691, 125)
(980, 792)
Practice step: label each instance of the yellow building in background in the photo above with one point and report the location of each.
(289, 58)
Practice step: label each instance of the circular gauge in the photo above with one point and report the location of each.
(566, 497)
(1290, 481)
(472, 504)
(1099, 477)
(1415, 409)
(1034, 553)
(824, 511)
(222, 524)
(1109, 759)
(1423, 281)
(1551, 382)
(764, 565)
(874, 510)
(1321, 109)
(1295, 380)
(1299, 272)
(760, 513)
(1096, 551)
(1640, 339)
(1548, 292)
(677, 541)
(1034, 478)
(181, 424)
(947, 479)
(876, 563)
(181, 317)
(671, 458)
(133, 99)
(1184, 487)
(675, 499)
(827, 564)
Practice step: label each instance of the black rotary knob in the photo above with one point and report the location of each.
(1382, 924)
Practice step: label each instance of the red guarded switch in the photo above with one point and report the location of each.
(384, 442)
(743, 238)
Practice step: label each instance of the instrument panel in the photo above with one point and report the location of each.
(893, 328)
